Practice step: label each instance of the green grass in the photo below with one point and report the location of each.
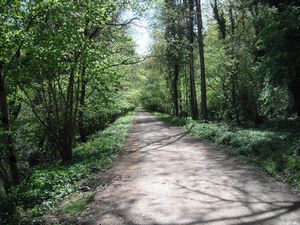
(78, 204)
(277, 152)
(40, 192)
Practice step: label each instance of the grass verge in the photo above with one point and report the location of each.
(40, 192)
(78, 204)
(274, 151)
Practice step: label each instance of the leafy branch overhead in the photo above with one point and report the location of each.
(69, 69)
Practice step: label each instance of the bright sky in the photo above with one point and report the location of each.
(141, 28)
(140, 33)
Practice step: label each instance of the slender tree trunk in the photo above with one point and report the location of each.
(187, 93)
(194, 105)
(219, 17)
(234, 75)
(295, 92)
(175, 88)
(5, 180)
(232, 21)
(5, 126)
(82, 131)
(202, 61)
(68, 130)
(234, 100)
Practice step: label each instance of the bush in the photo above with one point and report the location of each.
(41, 190)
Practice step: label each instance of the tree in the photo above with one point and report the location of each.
(12, 38)
(173, 51)
(193, 95)
(278, 37)
(202, 60)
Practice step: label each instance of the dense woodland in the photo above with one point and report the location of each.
(68, 69)
(243, 66)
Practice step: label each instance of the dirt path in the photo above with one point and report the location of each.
(167, 177)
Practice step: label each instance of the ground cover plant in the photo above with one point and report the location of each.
(277, 152)
(40, 191)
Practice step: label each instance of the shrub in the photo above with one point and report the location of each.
(41, 190)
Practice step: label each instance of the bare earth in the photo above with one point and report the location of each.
(165, 176)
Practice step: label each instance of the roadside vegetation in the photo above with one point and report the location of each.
(69, 69)
(42, 189)
(232, 69)
(65, 77)
(274, 150)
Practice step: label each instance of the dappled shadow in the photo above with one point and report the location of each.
(167, 177)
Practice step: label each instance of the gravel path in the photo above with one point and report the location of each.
(165, 176)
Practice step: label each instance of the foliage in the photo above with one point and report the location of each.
(63, 76)
(152, 96)
(278, 38)
(68, 69)
(275, 101)
(77, 204)
(252, 77)
(275, 151)
(251, 67)
(41, 190)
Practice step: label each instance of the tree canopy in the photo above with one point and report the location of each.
(69, 68)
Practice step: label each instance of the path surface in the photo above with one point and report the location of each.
(165, 176)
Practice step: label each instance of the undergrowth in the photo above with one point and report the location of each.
(78, 204)
(277, 152)
(44, 187)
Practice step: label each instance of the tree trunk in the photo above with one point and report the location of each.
(7, 139)
(175, 89)
(68, 128)
(194, 105)
(219, 17)
(202, 61)
(295, 92)
(82, 131)
(5, 180)
(234, 100)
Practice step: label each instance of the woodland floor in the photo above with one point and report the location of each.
(165, 176)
